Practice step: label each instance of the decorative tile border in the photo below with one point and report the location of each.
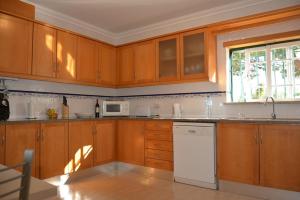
(55, 94)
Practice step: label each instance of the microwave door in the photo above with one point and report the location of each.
(113, 108)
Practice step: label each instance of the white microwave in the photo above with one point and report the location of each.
(115, 108)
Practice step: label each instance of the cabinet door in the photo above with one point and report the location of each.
(131, 141)
(81, 147)
(167, 58)
(66, 55)
(125, 65)
(238, 152)
(144, 62)
(16, 45)
(20, 137)
(105, 141)
(54, 149)
(280, 156)
(107, 65)
(44, 51)
(193, 55)
(87, 60)
(2, 143)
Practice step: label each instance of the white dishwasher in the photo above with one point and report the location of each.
(194, 154)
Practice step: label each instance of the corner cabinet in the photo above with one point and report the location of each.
(107, 65)
(15, 45)
(126, 65)
(198, 60)
(266, 155)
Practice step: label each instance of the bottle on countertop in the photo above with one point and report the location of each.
(97, 110)
(65, 108)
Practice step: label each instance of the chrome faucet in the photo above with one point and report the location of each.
(273, 115)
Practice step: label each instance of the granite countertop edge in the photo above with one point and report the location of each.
(197, 120)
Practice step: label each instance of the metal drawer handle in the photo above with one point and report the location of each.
(191, 131)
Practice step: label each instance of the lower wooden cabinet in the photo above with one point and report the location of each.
(280, 156)
(105, 142)
(238, 153)
(159, 144)
(81, 145)
(19, 137)
(131, 141)
(266, 155)
(54, 149)
(2, 143)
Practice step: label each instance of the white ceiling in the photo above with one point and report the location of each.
(119, 16)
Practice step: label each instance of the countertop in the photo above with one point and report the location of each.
(183, 119)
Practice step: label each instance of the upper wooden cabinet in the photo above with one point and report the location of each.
(126, 65)
(105, 141)
(20, 137)
(196, 52)
(144, 62)
(15, 45)
(2, 143)
(81, 145)
(66, 55)
(167, 58)
(54, 149)
(238, 152)
(44, 51)
(87, 60)
(131, 141)
(108, 64)
(280, 156)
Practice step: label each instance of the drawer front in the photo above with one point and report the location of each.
(160, 155)
(158, 135)
(159, 145)
(159, 125)
(160, 164)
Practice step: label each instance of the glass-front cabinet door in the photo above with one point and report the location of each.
(167, 58)
(193, 61)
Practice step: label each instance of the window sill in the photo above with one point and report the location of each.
(261, 102)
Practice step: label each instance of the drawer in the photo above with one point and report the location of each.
(158, 135)
(159, 145)
(160, 164)
(158, 154)
(159, 125)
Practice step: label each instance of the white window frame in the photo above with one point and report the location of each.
(267, 48)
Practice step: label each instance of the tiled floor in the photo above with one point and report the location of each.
(130, 185)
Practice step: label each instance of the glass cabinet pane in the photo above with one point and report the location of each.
(168, 58)
(193, 54)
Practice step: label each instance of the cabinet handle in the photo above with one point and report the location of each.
(38, 135)
(261, 138)
(42, 135)
(2, 140)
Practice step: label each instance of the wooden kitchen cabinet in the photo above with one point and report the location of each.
(16, 45)
(87, 60)
(197, 55)
(105, 141)
(81, 148)
(237, 152)
(66, 56)
(280, 156)
(20, 137)
(167, 58)
(44, 51)
(144, 62)
(108, 65)
(2, 143)
(54, 149)
(126, 65)
(131, 141)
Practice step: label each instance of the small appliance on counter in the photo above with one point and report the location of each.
(4, 107)
(176, 110)
(115, 108)
(30, 111)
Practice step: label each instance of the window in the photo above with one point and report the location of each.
(265, 70)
